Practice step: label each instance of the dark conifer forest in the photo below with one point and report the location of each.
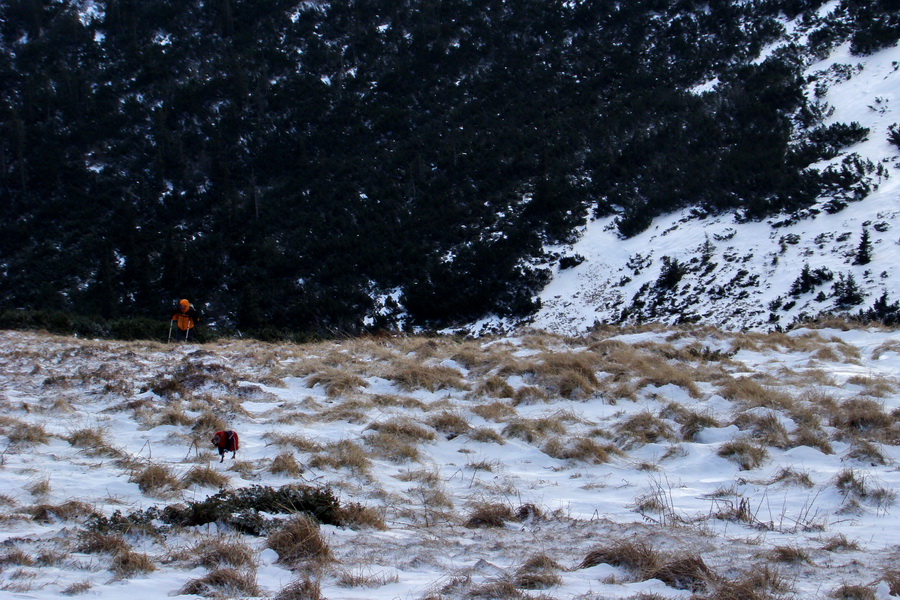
(289, 165)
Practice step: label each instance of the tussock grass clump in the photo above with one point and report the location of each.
(93, 442)
(489, 514)
(580, 449)
(209, 422)
(358, 516)
(95, 542)
(789, 554)
(643, 428)
(391, 400)
(539, 572)
(687, 572)
(79, 587)
(692, 423)
(156, 479)
(127, 563)
(344, 454)
(205, 476)
(302, 589)
(758, 583)
(486, 435)
(753, 394)
(638, 557)
(223, 583)
(532, 430)
(72, 509)
(28, 434)
(840, 543)
(215, 552)
(16, 556)
(495, 387)
(567, 374)
(745, 453)
(495, 411)
(404, 428)
(791, 476)
(450, 424)
(299, 540)
(813, 438)
(285, 464)
(39, 487)
(863, 417)
(766, 428)
(337, 382)
(410, 376)
(174, 415)
(849, 591)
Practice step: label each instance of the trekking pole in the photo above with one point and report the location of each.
(170, 331)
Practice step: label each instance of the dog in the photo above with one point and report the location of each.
(226, 441)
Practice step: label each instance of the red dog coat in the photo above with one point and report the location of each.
(226, 441)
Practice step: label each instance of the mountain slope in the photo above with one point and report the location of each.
(741, 274)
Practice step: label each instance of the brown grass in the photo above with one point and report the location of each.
(495, 411)
(642, 428)
(221, 551)
(495, 387)
(765, 428)
(285, 464)
(489, 514)
(581, 449)
(79, 587)
(567, 374)
(863, 417)
(849, 591)
(72, 509)
(789, 554)
(636, 556)
(358, 516)
(223, 583)
(156, 479)
(298, 540)
(404, 428)
(539, 572)
(687, 572)
(302, 589)
(344, 454)
(127, 562)
(28, 434)
(205, 476)
(745, 453)
(337, 382)
(410, 376)
(450, 424)
(532, 430)
(753, 394)
(93, 542)
(791, 476)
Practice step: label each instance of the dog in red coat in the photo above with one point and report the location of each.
(226, 441)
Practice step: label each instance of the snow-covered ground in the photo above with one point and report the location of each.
(772, 458)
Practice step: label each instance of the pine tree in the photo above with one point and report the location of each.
(864, 250)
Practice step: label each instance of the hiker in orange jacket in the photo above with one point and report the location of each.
(186, 318)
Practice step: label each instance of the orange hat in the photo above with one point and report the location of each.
(184, 302)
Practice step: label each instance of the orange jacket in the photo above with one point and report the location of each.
(186, 317)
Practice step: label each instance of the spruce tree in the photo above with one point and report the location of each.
(864, 250)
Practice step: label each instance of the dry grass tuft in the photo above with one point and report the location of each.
(567, 374)
(495, 387)
(156, 479)
(302, 589)
(495, 411)
(789, 554)
(223, 583)
(94, 542)
(358, 516)
(753, 394)
(840, 543)
(205, 476)
(215, 552)
(285, 464)
(127, 562)
(581, 449)
(745, 453)
(765, 428)
(79, 587)
(540, 572)
(344, 454)
(45, 513)
(532, 430)
(687, 572)
(27, 434)
(791, 476)
(337, 382)
(450, 424)
(636, 556)
(643, 428)
(489, 514)
(864, 418)
(848, 591)
(404, 428)
(486, 435)
(411, 376)
(299, 540)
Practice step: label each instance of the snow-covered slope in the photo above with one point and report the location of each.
(739, 274)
